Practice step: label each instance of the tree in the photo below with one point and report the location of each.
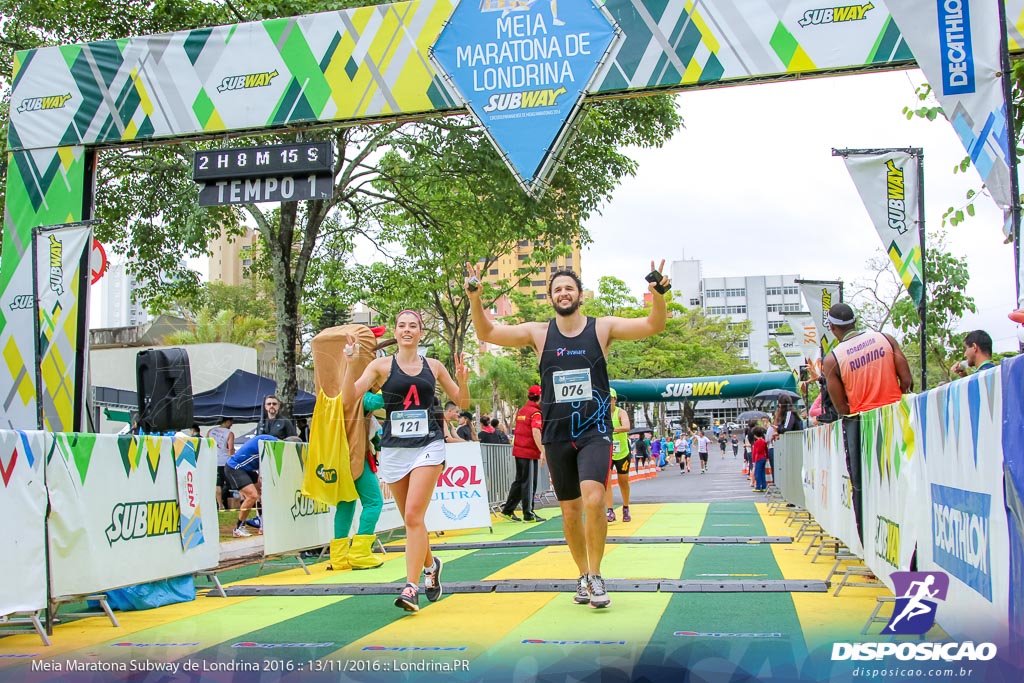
(883, 300)
(223, 327)
(501, 385)
(457, 203)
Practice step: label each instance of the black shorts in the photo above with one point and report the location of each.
(703, 456)
(222, 479)
(569, 464)
(239, 479)
(621, 466)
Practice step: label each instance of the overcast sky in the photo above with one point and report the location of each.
(750, 187)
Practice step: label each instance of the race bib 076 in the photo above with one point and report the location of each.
(572, 386)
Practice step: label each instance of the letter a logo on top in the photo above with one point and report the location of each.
(523, 67)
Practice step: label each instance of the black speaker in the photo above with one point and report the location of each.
(164, 385)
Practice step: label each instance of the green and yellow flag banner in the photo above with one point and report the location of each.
(889, 183)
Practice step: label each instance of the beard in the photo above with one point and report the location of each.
(567, 310)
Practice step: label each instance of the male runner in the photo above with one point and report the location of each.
(575, 403)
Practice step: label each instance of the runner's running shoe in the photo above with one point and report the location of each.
(582, 596)
(534, 518)
(625, 514)
(512, 516)
(409, 598)
(598, 595)
(432, 581)
(240, 532)
(611, 515)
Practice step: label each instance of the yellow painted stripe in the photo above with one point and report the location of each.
(456, 621)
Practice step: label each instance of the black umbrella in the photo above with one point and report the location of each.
(751, 415)
(776, 394)
(640, 430)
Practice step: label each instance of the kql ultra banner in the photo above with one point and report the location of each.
(23, 511)
(115, 519)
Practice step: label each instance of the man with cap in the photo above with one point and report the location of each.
(528, 451)
(865, 370)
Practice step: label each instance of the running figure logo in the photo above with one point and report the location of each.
(914, 613)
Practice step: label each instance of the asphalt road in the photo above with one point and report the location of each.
(724, 481)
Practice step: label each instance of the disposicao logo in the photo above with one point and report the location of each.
(957, 50)
(43, 103)
(835, 15)
(917, 594)
(257, 80)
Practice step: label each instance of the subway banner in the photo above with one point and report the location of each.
(889, 185)
(892, 477)
(23, 511)
(820, 295)
(701, 388)
(963, 518)
(291, 521)
(827, 492)
(62, 301)
(115, 519)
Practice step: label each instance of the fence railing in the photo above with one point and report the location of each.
(500, 472)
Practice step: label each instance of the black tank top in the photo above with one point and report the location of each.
(565, 364)
(404, 392)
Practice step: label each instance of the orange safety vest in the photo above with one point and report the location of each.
(867, 367)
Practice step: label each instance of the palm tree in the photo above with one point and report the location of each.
(224, 327)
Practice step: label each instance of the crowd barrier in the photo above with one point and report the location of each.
(123, 510)
(787, 473)
(292, 522)
(941, 476)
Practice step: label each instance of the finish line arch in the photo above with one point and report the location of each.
(336, 68)
(678, 389)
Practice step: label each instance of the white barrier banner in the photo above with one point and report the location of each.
(963, 519)
(190, 512)
(114, 516)
(460, 499)
(291, 521)
(892, 476)
(22, 508)
(827, 492)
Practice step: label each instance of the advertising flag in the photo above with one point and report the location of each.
(791, 350)
(820, 295)
(889, 184)
(62, 266)
(806, 331)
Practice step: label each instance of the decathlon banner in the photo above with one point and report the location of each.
(62, 268)
(291, 521)
(820, 295)
(790, 350)
(114, 514)
(23, 511)
(960, 427)
(827, 492)
(889, 185)
(893, 484)
(1012, 379)
(956, 44)
(522, 68)
(460, 499)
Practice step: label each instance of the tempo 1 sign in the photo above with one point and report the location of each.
(296, 159)
(256, 190)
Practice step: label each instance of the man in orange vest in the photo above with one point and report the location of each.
(865, 370)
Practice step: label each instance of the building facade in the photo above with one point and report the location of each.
(231, 256)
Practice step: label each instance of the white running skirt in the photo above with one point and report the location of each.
(395, 463)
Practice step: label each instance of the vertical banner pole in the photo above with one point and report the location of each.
(38, 350)
(1011, 157)
(922, 307)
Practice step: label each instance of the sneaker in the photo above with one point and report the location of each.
(598, 595)
(512, 516)
(625, 514)
(534, 518)
(409, 598)
(757, 490)
(432, 581)
(240, 532)
(611, 515)
(582, 596)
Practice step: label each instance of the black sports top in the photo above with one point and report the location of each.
(403, 393)
(567, 366)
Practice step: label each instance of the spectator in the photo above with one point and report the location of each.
(271, 423)
(760, 458)
(977, 353)
(500, 435)
(450, 423)
(786, 417)
(528, 452)
(486, 434)
(865, 370)
(642, 450)
(302, 427)
(194, 431)
(656, 451)
(465, 430)
(224, 439)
